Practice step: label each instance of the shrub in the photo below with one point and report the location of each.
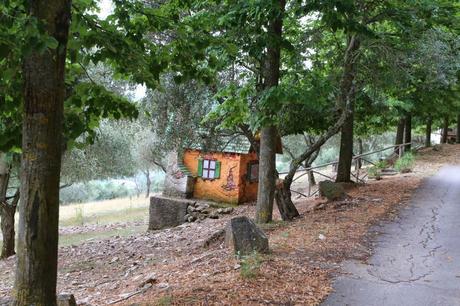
(381, 164)
(405, 163)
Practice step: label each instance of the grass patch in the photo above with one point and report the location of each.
(165, 300)
(107, 217)
(250, 265)
(273, 225)
(75, 239)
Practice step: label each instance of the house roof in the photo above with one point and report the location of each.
(228, 144)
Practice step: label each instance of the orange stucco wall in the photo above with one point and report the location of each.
(231, 186)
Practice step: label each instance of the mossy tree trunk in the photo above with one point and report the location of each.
(44, 91)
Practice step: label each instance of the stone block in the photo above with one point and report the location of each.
(243, 235)
(167, 212)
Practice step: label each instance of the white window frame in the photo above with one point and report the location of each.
(209, 169)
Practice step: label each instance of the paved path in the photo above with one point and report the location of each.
(417, 257)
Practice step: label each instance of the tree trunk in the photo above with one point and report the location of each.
(269, 134)
(44, 91)
(7, 225)
(308, 163)
(311, 178)
(400, 134)
(267, 175)
(287, 209)
(346, 97)
(283, 197)
(429, 122)
(149, 183)
(457, 137)
(445, 129)
(7, 210)
(408, 132)
(360, 151)
(346, 150)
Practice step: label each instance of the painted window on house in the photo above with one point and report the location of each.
(253, 171)
(208, 169)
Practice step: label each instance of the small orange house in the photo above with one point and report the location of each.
(227, 173)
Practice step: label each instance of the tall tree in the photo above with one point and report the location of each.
(269, 134)
(44, 95)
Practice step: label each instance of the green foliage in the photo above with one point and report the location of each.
(250, 265)
(405, 163)
(381, 164)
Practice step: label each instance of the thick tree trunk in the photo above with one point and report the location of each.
(148, 183)
(269, 134)
(445, 129)
(7, 224)
(267, 175)
(429, 122)
(400, 134)
(346, 102)
(44, 91)
(457, 137)
(408, 132)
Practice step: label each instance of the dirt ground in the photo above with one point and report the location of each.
(177, 266)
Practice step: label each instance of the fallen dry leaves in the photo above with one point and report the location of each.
(175, 268)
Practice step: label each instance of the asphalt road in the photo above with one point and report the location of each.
(416, 259)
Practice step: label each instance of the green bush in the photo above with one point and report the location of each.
(381, 164)
(405, 163)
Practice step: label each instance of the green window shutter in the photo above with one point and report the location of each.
(200, 167)
(217, 171)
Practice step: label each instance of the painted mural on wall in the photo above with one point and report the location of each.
(230, 185)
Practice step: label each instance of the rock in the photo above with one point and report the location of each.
(115, 259)
(191, 219)
(66, 300)
(321, 237)
(214, 215)
(150, 279)
(332, 191)
(163, 285)
(227, 210)
(243, 235)
(167, 212)
(437, 148)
